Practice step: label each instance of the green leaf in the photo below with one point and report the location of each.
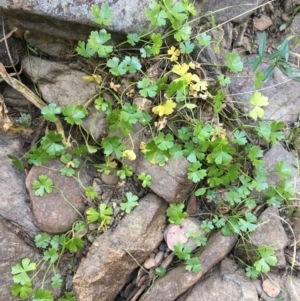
(267, 259)
(146, 51)
(249, 223)
(67, 171)
(233, 62)
(240, 137)
(132, 64)
(224, 80)
(73, 244)
(50, 145)
(176, 214)
(199, 239)
(51, 255)
(262, 44)
(132, 38)
(160, 271)
(113, 144)
(84, 50)
(204, 39)
(131, 202)
(186, 47)
(49, 112)
(102, 15)
(115, 68)
(20, 271)
(258, 101)
(90, 192)
(96, 42)
(38, 156)
(251, 273)
(164, 142)
(68, 297)
(105, 214)
(193, 265)
(156, 15)
(92, 215)
(125, 172)
(218, 104)
(207, 226)
(16, 162)
(146, 179)
(147, 88)
(23, 291)
(42, 240)
(156, 39)
(283, 169)
(56, 280)
(195, 173)
(200, 191)
(42, 185)
(259, 78)
(74, 114)
(42, 295)
(184, 33)
(182, 251)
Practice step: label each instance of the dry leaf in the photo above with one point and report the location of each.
(130, 93)
(271, 288)
(115, 87)
(194, 65)
(161, 123)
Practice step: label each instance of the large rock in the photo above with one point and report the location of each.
(12, 251)
(179, 280)
(57, 82)
(14, 202)
(283, 94)
(227, 283)
(114, 255)
(269, 232)
(55, 212)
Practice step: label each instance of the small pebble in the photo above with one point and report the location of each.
(93, 226)
(91, 238)
(149, 263)
(159, 258)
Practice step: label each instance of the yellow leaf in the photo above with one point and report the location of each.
(180, 70)
(129, 154)
(166, 108)
(97, 78)
(109, 161)
(88, 78)
(257, 112)
(197, 84)
(93, 78)
(257, 99)
(174, 53)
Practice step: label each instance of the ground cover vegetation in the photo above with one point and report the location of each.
(189, 116)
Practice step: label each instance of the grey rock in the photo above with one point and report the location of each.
(12, 251)
(179, 280)
(276, 154)
(95, 124)
(227, 283)
(109, 262)
(58, 83)
(295, 29)
(269, 232)
(14, 202)
(53, 46)
(14, 98)
(54, 212)
(292, 286)
(283, 94)
(238, 10)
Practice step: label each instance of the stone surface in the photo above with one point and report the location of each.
(110, 263)
(223, 11)
(12, 251)
(295, 29)
(269, 232)
(170, 181)
(283, 94)
(179, 280)
(95, 123)
(14, 202)
(276, 154)
(292, 287)
(52, 212)
(227, 283)
(262, 23)
(73, 19)
(14, 98)
(53, 46)
(57, 82)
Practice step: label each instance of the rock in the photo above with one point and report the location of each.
(149, 263)
(170, 181)
(276, 154)
(55, 47)
(14, 202)
(227, 283)
(292, 287)
(238, 10)
(70, 20)
(269, 232)
(110, 179)
(54, 212)
(262, 23)
(14, 98)
(283, 94)
(179, 280)
(295, 29)
(95, 124)
(109, 262)
(58, 83)
(12, 251)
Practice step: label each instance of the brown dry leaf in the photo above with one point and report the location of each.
(161, 123)
(5, 121)
(271, 288)
(18, 129)
(115, 87)
(194, 65)
(130, 93)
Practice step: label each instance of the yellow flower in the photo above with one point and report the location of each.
(129, 154)
(174, 53)
(166, 108)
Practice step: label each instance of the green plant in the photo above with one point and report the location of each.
(103, 215)
(131, 202)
